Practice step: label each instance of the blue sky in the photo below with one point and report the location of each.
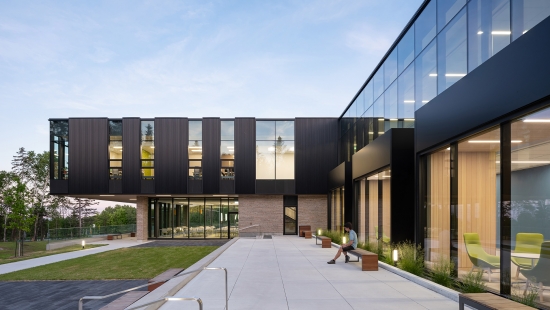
(63, 59)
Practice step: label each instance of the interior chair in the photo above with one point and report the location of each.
(539, 274)
(479, 258)
(527, 243)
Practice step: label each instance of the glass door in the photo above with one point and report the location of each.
(290, 221)
(233, 224)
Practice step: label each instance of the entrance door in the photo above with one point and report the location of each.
(233, 224)
(290, 220)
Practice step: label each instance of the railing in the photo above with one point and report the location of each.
(259, 228)
(170, 298)
(81, 300)
(86, 232)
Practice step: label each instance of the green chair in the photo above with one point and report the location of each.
(527, 243)
(385, 238)
(540, 273)
(479, 258)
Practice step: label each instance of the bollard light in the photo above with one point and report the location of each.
(319, 232)
(83, 243)
(343, 240)
(395, 256)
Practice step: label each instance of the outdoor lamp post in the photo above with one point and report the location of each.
(395, 256)
(83, 243)
(318, 234)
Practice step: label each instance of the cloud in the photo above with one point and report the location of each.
(101, 55)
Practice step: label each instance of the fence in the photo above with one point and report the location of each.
(86, 232)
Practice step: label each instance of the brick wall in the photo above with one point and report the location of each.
(141, 220)
(266, 210)
(312, 210)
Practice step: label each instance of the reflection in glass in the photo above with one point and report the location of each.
(379, 107)
(194, 150)
(284, 130)
(227, 129)
(147, 150)
(452, 52)
(378, 82)
(290, 220)
(115, 150)
(405, 96)
(284, 159)
(405, 50)
(227, 157)
(212, 217)
(368, 95)
(196, 218)
(425, 28)
(488, 29)
(165, 218)
(478, 172)
(265, 130)
(195, 130)
(426, 76)
(390, 68)
(446, 10)
(181, 223)
(390, 109)
(526, 14)
(59, 152)
(265, 160)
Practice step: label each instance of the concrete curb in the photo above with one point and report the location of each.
(173, 286)
(441, 290)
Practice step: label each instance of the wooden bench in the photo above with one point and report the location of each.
(303, 228)
(307, 234)
(125, 300)
(326, 242)
(163, 277)
(114, 236)
(132, 234)
(488, 301)
(370, 260)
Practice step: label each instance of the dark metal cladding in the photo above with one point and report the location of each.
(171, 136)
(88, 156)
(245, 155)
(131, 165)
(211, 155)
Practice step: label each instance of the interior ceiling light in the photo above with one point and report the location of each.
(393, 119)
(196, 150)
(433, 74)
(425, 101)
(501, 33)
(195, 147)
(455, 74)
(133, 199)
(480, 32)
(491, 141)
(536, 120)
(117, 147)
(106, 195)
(408, 101)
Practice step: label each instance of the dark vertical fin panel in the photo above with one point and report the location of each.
(211, 155)
(316, 145)
(171, 155)
(245, 155)
(88, 151)
(131, 165)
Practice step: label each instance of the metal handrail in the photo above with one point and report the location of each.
(259, 228)
(170, 298)
(81, 300)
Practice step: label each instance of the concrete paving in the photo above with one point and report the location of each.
(30, 263)
(288, 272)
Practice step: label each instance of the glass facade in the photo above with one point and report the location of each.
(373, 201)
(450, 38)
(275, 150)
(59, 150)
(227, 150)
(147, 150)
(193, 218)
(195, 150)
(115, 149)
(337, 209)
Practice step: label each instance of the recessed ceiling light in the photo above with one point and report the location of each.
(106, 195)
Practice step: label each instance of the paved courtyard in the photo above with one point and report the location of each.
(288, 272)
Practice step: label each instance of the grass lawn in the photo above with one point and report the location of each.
(127, 263)
(33, 250)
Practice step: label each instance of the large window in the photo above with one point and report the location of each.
(59, 150)
(337, 209)
(275, 150)
(374, 207)
(195, 150)
(115, 150)
(148, 150)
(227, 150)
(452, 53)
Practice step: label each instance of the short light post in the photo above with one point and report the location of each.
(83, 244)
(343, 240)
(395, 257)
(317, 237)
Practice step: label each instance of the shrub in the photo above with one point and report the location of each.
(335, 236)
(528, 299)
(411, 258)
(442, 272)
(472, 282)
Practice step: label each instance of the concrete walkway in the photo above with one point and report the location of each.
(288, 272)
(30, 263)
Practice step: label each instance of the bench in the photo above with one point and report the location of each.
(132, 234)
(114, 236)
(307, 234)
(488, 301)
(163, 277)
(325, 242)
(303, 228)
(370, 260)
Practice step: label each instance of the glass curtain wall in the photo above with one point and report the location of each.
(477, 212)
(275, 150)
(337, 209)
(530, 203)
(450, 38)
(115, 150)
(59, 150)
(165, 218)
(148, 150)
(181, 214)
(195, 150)
(374, 207)
(227, 150)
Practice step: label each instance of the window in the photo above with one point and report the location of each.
(227, 150)
(405, 95)
(59, 150)
(424, 28)
(390, 68)
(148, 150)
(526, 14)
(452, 52)
(195, 150)
(426, 76)
(115, 150)
(446, 10)
(405, 50)
(275, 150)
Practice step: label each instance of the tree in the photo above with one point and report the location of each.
(117, 215)
(6, 181)
(20, 219)
(82, 210)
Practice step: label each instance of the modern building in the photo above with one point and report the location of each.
(447, 143)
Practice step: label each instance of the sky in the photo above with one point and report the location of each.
(286, 59)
